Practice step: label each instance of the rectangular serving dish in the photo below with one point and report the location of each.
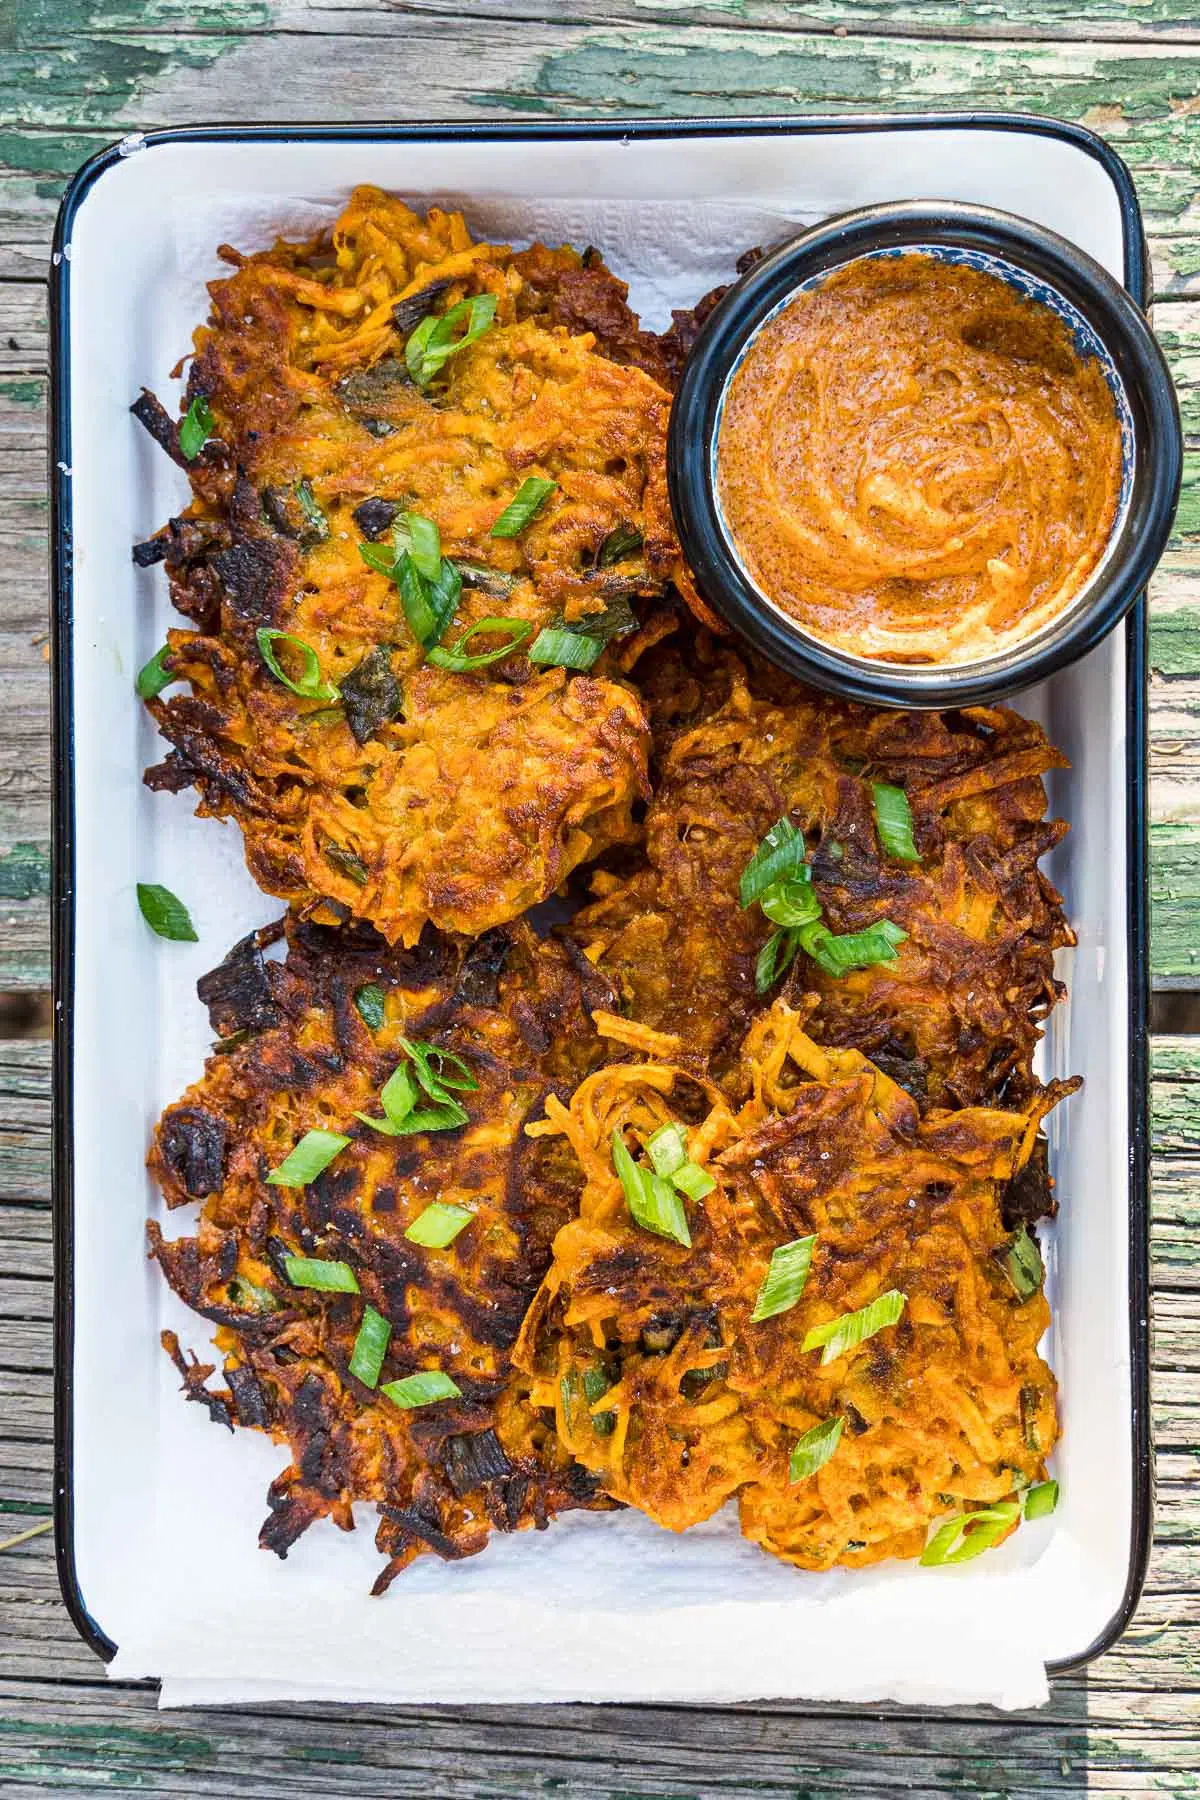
(564, 1615)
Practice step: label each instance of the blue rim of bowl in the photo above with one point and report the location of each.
(1104, 322)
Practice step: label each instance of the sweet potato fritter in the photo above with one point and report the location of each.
(498, 781)
(665, 1389)
(955, 1018)
(301, 1056)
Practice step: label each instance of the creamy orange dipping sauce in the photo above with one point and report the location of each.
(915, 462)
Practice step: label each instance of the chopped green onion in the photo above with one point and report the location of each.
(792, 901)
(561, 648)
(893, 821)
(315, 1151)
(243, 1292)
(195, 428)
(348, 863)
(315, 1272)
(785, 1280)
(667, 1149)
(165, 913)
(458, 662)
(422, 1389)
(439, 1069)
(596, 1384)
(528, 499)
(152, 677)
(1021, 1261)
(837, 955)
(425, 545)
(489, 581)
(433, 342)
(774, 959)
(369, 1001)
(968, 1535)
(416, 602)
(854, 1328)
(814, 1449)
(693, 1181)
(379, 558)
(1041, 1500)
(310, 685)
(438, 1225)
(370, 1347)
(398, 1096)
(371, 694)
(318, 524)
(428, 1118)
(622, 541)
(652, 1202)
(782, 852)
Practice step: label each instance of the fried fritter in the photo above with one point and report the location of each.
(300, 1055)
(498, 781)
(664, 1387)
(955, 1018)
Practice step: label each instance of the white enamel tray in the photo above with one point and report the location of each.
(158, 1511)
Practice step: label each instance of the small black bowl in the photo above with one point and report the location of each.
(1107, 324)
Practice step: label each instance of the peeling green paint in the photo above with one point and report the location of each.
(1175, 642)
(1175, 902)
(23, 393)
(24, 872)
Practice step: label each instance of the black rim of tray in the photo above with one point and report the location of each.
(1137, 282)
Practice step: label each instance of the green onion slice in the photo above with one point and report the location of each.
(165, 913)
(782, 852)
(416, 602)
(244, 1293)
(369, 1001)
(438, 1225)
(370, 1347)
(854, 1328)
(557, 647)
(667, 1149)
(792, 901)
(315, 1272)
(425, 545)
(532, 494)
(854, 949)
(1041, 1500)
(652, 1201)
(456, 658)
(427, 1118)
(785, 1279)
(318, 524)
(774, 959)
(968, 1535)
(814, 1449)
(893, 821)
(315, 1151)
(439, 1069)
(379, 558)
(622, 541)
(596, 1384)
(310, 685)
(152, 677)
(1021, 1261)
(693, 1181)
(195, 428)
(422, 1389)
(431, 343)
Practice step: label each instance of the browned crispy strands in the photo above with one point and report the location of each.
(665, 1389)
(955, 1018)
(517, 1013)
(473, 794)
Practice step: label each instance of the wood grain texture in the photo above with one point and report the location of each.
(74, 74)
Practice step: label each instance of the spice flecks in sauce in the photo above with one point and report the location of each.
(916, 463)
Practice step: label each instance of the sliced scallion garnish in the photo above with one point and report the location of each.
(165, 913)
(1041, 1500)
(456, 658)
(785, 1279)
(837, 955)
(693, 1181)
(425, 545)
(652, 1201)
(846, 1333)
(369, 1001)
(310, 685)
(532, 494)
(967, 1535)
(438, 1225)
(244, 1293)
(782, 852)
(195, 428)
(814, 1449)
(314, 1272)
(1021, 1261)
(556, 646)
(622, 541)
(379, 558)
(424, 1388)
(774, 959)
(314, 1152)
(370, 1347)
(152, 677)
(893, 821)
(791, 901)
(318, 524)
(431, 344)
(439, 1069)
(667, 1149)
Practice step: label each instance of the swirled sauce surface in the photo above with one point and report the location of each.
(916, 463)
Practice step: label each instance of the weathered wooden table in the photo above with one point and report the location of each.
(73, 75)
